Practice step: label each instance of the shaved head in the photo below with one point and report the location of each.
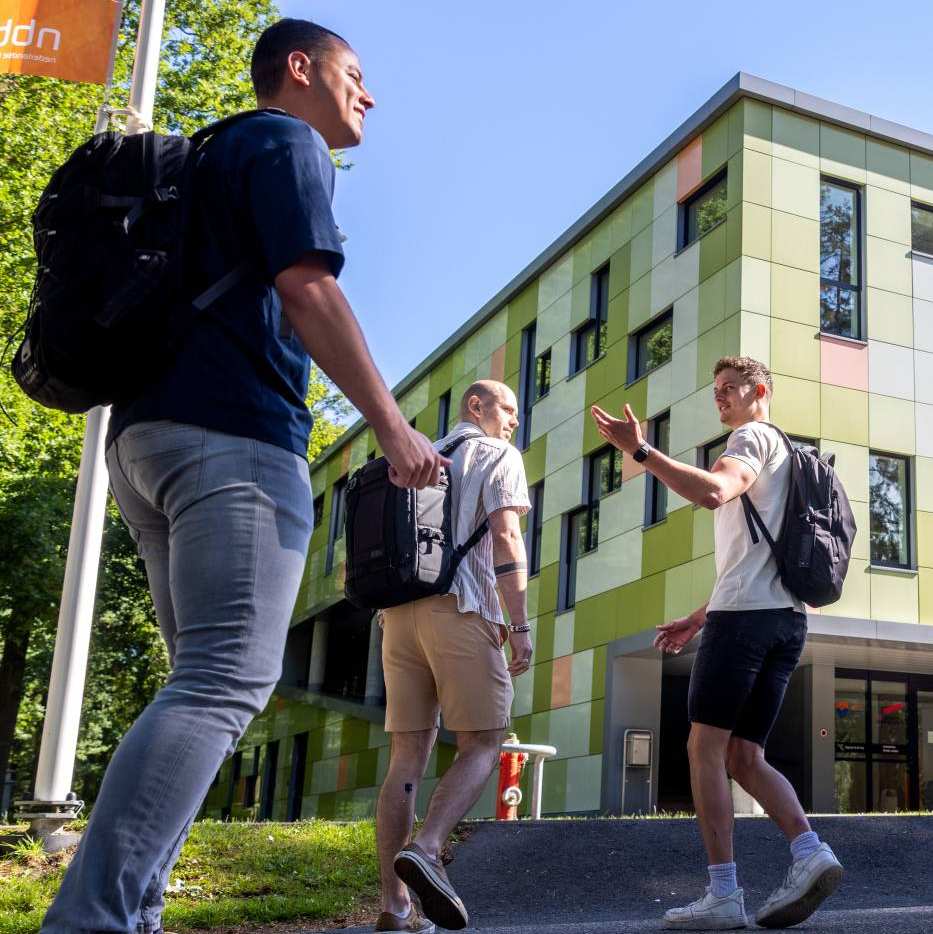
(488, 390)
(491, 405)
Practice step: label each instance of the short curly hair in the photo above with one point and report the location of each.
(751, 370)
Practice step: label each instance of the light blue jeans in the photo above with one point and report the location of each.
(223, 524)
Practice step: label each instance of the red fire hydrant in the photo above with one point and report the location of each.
(509, 796)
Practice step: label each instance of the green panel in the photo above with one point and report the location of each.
(354, 735)
(446, 753)
(641, 254)
(554, 797)
(635, 395)
(541, 694)
(595, 621)
(618, 316)
(620, 270)
(327, 805)
(641, 605)
(669, 543)
(712, 251)
(757, 119)
(845, 414)
(513, 355)
(925, 539)
(582, 260)
(367, 764)
(597, 718)
(544, 636)
(734, 179)
(711, 302)
(547, 588)
(534, 457)
(523, 309)
(521, 727)
(734, 234)
(642, 207)
(599, 672)
(441, 377)
(794, 350)
(607, 374)
(715, 147)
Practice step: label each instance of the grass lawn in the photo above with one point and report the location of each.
(229, 874)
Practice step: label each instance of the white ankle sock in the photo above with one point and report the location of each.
(805, 845)
(722, 879)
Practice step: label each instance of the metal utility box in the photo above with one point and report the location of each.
(637, 771)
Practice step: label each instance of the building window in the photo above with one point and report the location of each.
(575, 524)
(889, 509)
(252, 780)
(443, 415)
(318, 506)
(269, 774)
(589, 342)
(533, 535)
(840, 239)
(338, 512)
(296, 779)
(534, 383)
(921, 228)
(702, 211)
(651, 347)
(659, 436)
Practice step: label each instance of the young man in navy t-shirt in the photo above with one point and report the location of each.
(208, 464)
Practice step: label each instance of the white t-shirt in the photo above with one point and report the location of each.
(486, 474)
(746, 574)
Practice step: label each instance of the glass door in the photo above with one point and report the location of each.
(925, 747)
(851, 770)
(890, 746)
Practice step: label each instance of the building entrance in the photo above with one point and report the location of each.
(884, 741)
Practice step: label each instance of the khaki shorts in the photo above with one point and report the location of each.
(438, 660)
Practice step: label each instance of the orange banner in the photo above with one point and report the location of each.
(68, 39)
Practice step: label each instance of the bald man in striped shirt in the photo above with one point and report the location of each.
(445, 654)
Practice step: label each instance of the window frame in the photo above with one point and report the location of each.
(533, 529)
(654, 486)
(909, 532)
(918, 206)
(598, 320)
(569, 556)
(338, 512)
(526, 387)
(858, 316)
(634, 340)
(683, 209)
(443, 415)
(317, 505)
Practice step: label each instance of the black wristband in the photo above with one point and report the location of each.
(643, 450)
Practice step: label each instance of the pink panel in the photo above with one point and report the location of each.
(343, 773)
(561, 676)
(843, 363)
(689, 162)
(497, 369)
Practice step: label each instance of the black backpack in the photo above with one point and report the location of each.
(109, 305)
(400, 542)
(813, 548)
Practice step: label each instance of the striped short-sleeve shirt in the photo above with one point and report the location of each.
(486, 474)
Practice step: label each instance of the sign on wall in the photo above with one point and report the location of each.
(69, 39)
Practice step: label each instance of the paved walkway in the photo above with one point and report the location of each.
(605, 876)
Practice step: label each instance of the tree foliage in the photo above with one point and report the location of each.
(204, 75)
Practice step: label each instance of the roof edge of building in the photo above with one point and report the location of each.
(742, 84)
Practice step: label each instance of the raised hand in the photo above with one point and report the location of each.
(623, 433)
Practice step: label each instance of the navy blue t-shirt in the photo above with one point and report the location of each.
(264, 189)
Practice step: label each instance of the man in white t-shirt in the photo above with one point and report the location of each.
(754, 630)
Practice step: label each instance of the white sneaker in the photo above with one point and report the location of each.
(710, 913)
(807, 883)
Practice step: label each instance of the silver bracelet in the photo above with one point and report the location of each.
(523, 628)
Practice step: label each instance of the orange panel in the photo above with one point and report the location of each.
(561, 676)
(843, 363)
(497, 370)
(689, 172)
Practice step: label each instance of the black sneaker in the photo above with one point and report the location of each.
(428, 880)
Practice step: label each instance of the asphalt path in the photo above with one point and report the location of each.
(604, 876)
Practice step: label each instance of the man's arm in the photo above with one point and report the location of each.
(673, 636)
(728, 479)
(508, 553)
(324, 322)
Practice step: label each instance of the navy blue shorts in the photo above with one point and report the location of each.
(745, 659)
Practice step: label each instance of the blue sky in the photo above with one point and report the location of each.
(498, 124)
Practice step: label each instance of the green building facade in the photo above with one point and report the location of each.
(772, 224)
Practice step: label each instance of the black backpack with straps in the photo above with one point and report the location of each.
(110, 302)
(813, 548)
(399, 542)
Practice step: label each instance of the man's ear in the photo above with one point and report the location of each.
(761, 390)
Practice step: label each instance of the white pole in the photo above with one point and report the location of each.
(66, 687)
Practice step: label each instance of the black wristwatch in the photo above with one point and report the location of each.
(644, 449)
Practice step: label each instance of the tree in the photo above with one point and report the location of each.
(203, 76)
